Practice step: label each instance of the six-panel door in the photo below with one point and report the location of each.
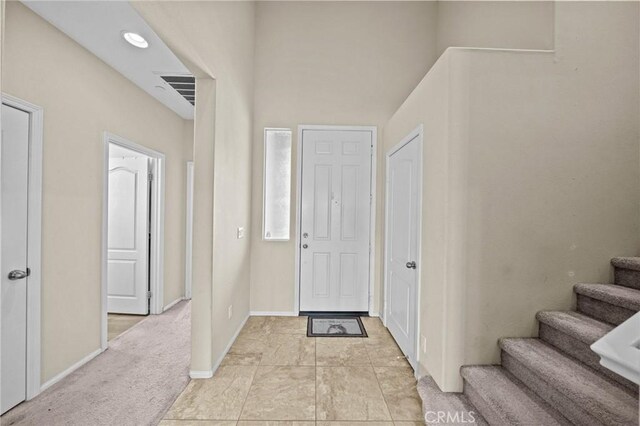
(335, 220)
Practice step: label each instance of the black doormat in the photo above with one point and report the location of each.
(335, 326)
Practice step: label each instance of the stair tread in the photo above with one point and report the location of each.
(508, 398)
(435, 400)
(617, 295)
(626, 263)
(575, 324)
(587, 389)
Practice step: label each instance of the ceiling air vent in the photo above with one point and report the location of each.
(184, 85)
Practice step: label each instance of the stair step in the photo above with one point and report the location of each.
(626, 263)
(579, 326)
(504, 400)
(578, 392)
(573, 333)
(627, 271)
(607, 302)
(434, 402)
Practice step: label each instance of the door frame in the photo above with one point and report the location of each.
(34, 240)
(372, 207)
(156, 253)
(188, 261)
(418, 133)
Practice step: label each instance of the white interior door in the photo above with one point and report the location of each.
(335, 220)
(403, 210)
(128, 236)
(15, 169)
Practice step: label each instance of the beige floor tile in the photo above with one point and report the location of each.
(341, 351)
(249, 344)
(281, 393)
(373, 326)
(197, 423)
(254, 325)
(354, 423)
(289, 349)
(349, 393)
(286, 325)
(398, 386)
(241, 359)
(274, 423)
(119, 323)
(409, 423)
(218, 398)
(384, 352)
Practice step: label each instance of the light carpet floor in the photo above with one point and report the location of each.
(134, 382)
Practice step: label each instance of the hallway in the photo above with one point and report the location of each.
(274, 372)
(131, 383)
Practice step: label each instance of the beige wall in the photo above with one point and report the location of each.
(82, 97)
(203, 203)
(531, 183)
(496, 24)
(328, 63)
(216, 40)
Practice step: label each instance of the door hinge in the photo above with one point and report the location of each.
(149, 294)
(150, 177)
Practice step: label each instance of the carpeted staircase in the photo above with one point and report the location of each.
(555, 379)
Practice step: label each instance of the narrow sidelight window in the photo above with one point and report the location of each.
(277, 184)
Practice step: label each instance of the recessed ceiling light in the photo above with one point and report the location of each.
(135, 39)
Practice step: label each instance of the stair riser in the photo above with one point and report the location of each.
(548, 392)
(627, 278)
(434, 401)
(483, 408)
(582, 352)
(603, 311)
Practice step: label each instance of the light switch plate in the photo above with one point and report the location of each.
(240, 232)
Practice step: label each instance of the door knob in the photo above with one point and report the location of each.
(411, 265)
(18, 275)
(304, 246)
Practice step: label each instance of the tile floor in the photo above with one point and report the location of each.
(275, 375)
(119, 323)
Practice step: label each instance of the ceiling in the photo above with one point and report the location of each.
(98, 27)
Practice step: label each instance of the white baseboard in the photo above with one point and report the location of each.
(197, 374)
(226, 350)
(55, 379)
(206, 374)
(273, 314)
(172, 304)
(374, 314)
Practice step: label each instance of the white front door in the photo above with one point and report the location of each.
(128, 236)
(403, 214)
(335, 220)
(15, 169)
